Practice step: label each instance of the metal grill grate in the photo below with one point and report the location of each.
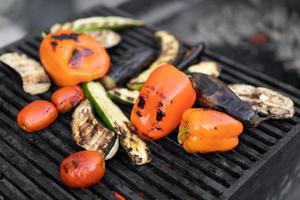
(29, 162)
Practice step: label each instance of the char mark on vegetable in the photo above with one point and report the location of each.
(77, 55)
(142, 102)
(159, 115)
(71, 36)
(75, 163)
(54, 44)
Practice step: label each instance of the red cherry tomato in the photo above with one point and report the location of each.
(37, 115)
(82, 169)
(67, 98)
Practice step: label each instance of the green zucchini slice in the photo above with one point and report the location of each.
(123, 95)
(98, 22)
(90, 134)
(170, 51)
(116, 120)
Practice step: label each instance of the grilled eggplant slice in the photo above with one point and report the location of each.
(265, 101)
(123, 95)
(106, 38)
(98, 22)
(127, 66)
(170, 53)
(35, 80)
(214, 94)
(90, 134)
(115, 119)
(191, 56)
(206, 67)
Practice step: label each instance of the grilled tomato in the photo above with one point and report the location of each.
(37, 115)
(67, 98)
(82, 169)
(70, 57)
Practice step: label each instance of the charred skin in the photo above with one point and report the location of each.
(214, 94)
(90, 134)
(128, 65)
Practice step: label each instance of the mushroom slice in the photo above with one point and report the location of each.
(90, 134)
(35, 80)
(106, 38)
(265, 101)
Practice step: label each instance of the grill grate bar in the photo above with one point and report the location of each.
(8, 190)
(17, 178)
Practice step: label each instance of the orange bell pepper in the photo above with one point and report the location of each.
(71, 58)
(206, 131)
(166, 94)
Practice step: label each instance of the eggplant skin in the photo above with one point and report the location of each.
(90, 134)
(212, 93)
(128, 65)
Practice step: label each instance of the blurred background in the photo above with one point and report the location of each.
(263, 35)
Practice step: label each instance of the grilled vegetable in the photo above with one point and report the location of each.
(166, 94)
(35, 80)
(114, 118)
(191, 56)
(213, 93)
(206, 131)
(265, 101)
(170, 53)
(67, 98)
(82, 169)
(123, 95)
(106, 38)
(98, 23)
(90, 134)
(36, 116)
(206, 67)
(71, 58)
(128, 65)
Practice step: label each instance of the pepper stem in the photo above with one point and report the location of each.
(182, 132)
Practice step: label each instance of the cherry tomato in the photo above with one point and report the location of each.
(67, 98)
(82, 169)
(37, 115)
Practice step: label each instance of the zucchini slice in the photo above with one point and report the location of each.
(116, 120)
(128, 65)
(206, 67)
(98, 22)
(35, 79)
(170, 53)
(123, 95)
(106, 38)
(90, 134)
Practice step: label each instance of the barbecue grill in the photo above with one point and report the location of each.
(29, 162)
